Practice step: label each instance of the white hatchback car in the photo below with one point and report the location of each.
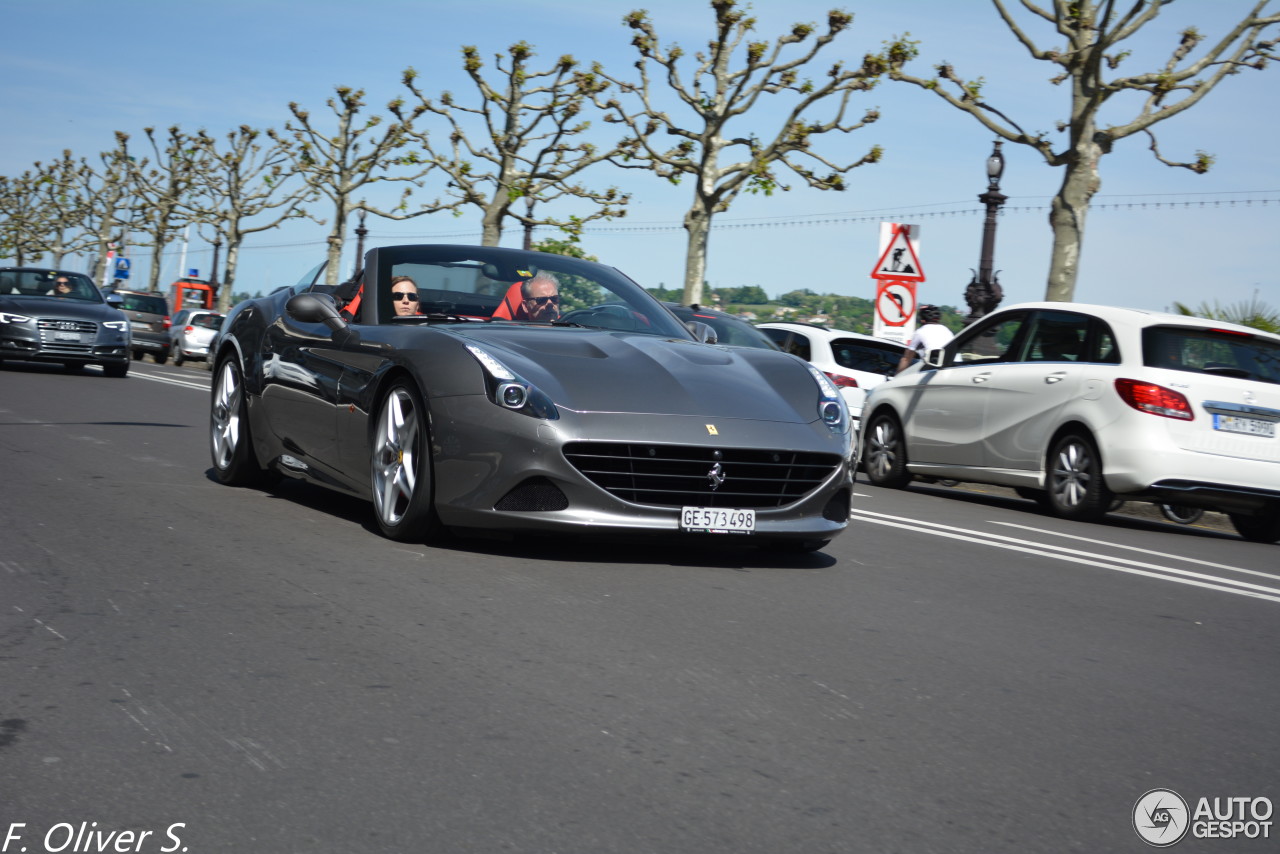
(1076, 405)
(854, 362)
(191, 332)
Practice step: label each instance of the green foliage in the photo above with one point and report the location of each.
(667, 294)
(1252, 312)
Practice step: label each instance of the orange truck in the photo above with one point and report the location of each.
(189, 292)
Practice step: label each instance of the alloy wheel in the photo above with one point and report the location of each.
(395, 461)
(227, 412)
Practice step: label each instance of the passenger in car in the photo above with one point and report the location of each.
(404, 296)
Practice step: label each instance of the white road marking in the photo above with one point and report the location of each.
(158, 378)
(1270, 575)
(1163, 573)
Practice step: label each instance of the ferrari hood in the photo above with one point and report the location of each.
(590, 370)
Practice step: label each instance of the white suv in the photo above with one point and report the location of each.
(856, 363)
(1076, 405)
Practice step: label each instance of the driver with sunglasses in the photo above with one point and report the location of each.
(404, 296)
(541, 298)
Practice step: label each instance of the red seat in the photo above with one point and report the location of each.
(512, 306)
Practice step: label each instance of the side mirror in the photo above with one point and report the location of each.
(702, 331)
(315, 308)
(935, 358)
(114, 300)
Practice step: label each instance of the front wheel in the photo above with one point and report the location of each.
(885, 452)
(400, 468)
(234, 462)
(1263, 528)
(1075, 485)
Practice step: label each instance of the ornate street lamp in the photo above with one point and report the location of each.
(984, 292)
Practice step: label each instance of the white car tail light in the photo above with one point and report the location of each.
(1155, 399)
(841, 381)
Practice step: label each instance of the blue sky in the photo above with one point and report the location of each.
(75, 71)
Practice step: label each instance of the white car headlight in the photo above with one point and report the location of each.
(6, 317)
(117, 325)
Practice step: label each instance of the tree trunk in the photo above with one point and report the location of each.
(492, 234)
(333, 265)
(1080, 182)
(153, 274)
(228, 276)
(698, 223)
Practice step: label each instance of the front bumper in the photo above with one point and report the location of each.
(484, 456)
(29, 345)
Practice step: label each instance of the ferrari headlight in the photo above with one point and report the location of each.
(831, 408)
(509, 390)
(6, 317)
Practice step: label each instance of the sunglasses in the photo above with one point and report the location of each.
(397, 296)
(63, 284)
(554, 300)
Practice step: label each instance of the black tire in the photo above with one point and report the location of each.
(1263, 528)
(401, 471)
(230, 443)
(1075, 485)
(884, 456)
(176, 352)
(116, 370)
(161, 357)
(137, 355)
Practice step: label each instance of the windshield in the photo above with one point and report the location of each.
(1220, 352)
(48, 283)
(470, 283)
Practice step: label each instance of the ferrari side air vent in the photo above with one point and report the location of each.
(677, 476)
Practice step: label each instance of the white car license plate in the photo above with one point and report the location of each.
(717, 520)
(1250, 426)
(67, 336)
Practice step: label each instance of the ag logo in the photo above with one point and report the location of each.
(1161, 817)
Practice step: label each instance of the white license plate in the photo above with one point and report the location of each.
(717, 520)
(67, 336)
(1249, 426)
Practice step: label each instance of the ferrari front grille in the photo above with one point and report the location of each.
(679, 476)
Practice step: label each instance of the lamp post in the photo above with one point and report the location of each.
(984, 292)
(361, 231)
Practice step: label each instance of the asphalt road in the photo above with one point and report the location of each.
(233, 670)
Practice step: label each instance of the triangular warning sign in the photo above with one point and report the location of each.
(900, 260)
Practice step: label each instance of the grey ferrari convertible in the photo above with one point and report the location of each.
(467, 387)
